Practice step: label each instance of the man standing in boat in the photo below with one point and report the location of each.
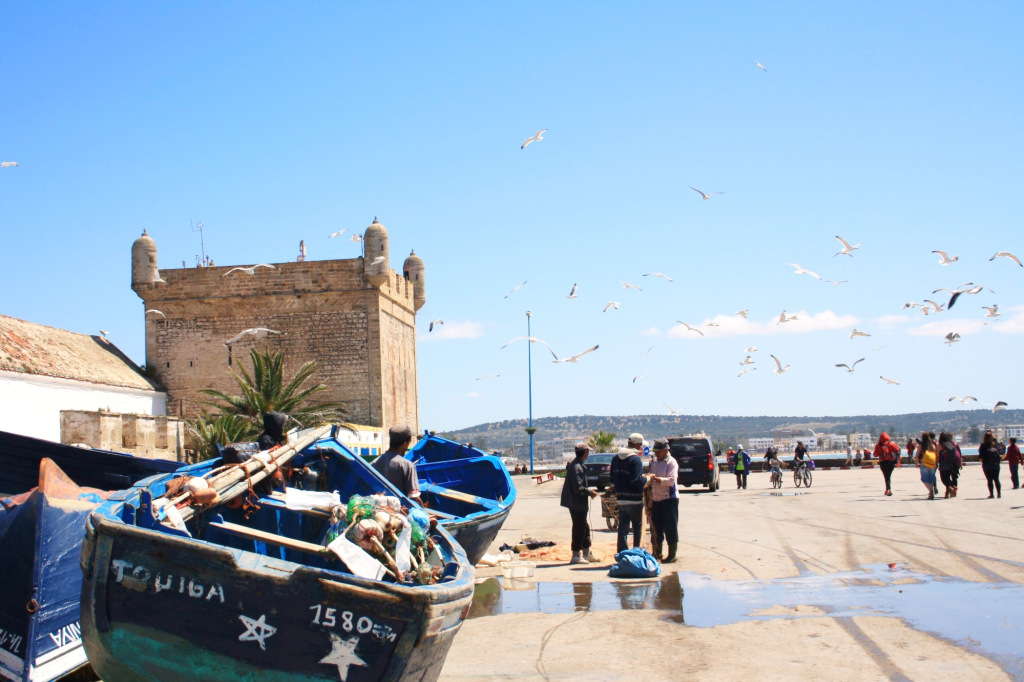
(393, 465)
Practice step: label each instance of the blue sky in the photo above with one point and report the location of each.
(894, 125)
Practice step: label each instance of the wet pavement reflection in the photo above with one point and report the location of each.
(979, 617)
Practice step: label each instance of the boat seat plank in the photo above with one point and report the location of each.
(277, 500)
(448, 492)
(269, 538)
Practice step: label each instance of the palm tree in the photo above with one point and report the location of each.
(265, 390)
(206, 430)
(601, 441)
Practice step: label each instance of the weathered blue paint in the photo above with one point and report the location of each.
(218, 606)
(484, 490)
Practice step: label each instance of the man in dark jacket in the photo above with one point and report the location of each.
(576, 497)
(273, 430)
(627, 476)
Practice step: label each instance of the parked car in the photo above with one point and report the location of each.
(599, 469)
(697, 461)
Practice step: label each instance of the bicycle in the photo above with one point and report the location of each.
(776, 478)
(802, 475)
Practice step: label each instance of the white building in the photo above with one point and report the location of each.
(44, 370)
(760, 444)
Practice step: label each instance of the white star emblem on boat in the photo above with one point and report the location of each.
(256, 630)
(343, 655)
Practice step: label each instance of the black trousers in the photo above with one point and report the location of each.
(665, 515)
(580, 531)
(887, 466)
(949, 477)
(630, 515)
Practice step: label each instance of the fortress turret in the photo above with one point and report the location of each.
(414, 271)
(375, 254)
(144, 270)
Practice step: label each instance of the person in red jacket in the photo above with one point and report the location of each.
(887, 453)
(1013, 458)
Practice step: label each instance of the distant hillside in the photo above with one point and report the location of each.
(501, 435)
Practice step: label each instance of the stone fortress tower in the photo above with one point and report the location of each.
(356, 318)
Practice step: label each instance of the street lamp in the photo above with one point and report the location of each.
(529, 385)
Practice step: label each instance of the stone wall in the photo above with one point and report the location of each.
(142, 435)
(361, 337)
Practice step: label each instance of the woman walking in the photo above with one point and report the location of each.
(887, 453)
(988, 453)
(1013, 459)
(949, 462)
(927, 460)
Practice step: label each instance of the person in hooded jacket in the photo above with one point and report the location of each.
(1013, 459)
(628, 477)
(988, 453)
(887, 453)
(741, 467)
(273, 430)
(949, 463)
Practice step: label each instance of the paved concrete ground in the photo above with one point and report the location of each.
(768, 586)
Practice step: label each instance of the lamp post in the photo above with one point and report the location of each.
(529, 385)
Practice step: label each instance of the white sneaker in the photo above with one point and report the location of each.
(590, 558)
(578, 559)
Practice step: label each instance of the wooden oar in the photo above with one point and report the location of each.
(255, 470)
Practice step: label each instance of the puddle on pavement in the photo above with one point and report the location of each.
(778, 494)
(976, 616)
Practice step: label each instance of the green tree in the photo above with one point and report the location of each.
(266, 390)
(206, 430)
(601, 441)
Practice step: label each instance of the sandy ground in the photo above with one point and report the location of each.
(837, 582)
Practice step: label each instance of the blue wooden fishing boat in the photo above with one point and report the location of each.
(227, 592)
(41, 532)
(470, 491)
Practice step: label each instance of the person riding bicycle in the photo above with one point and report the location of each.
(775, 463)
(799, 453)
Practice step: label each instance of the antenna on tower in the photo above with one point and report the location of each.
(203, 261)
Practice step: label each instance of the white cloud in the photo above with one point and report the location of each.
(734, 325)
(1011, 324)
(653, 331)
(475, 394)
(454, 330)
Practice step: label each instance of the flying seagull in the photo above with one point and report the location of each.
(857, 332)
(706, 196)
(572, 294)
(999, 406)
(537, 137)
(432, 323)
(842, 281)
(254, 331)
(952, 337)
(611, 304)
(156, 312)
(946, 260)
(336, 234)
(710, 324)
(803, 271)
(964, 399)
(891, 382)
(751, 349)
(638, 376)
(936, 307)
(250, 270)
(847, 249)
(849, 368)
(670, 410)
(531, 339)
(646, 351)
(356, 238)
(657, 274)
(760, 66)
(1009, 255)
(748, 361)
(779, 369)
(993, 310)
(627, 285)
(514, 289)
(378, 260)
(785, 318)
(751, 369)
(488, 376)
(8, 164)
(689, 328)
(573, 358)
(742, 313)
